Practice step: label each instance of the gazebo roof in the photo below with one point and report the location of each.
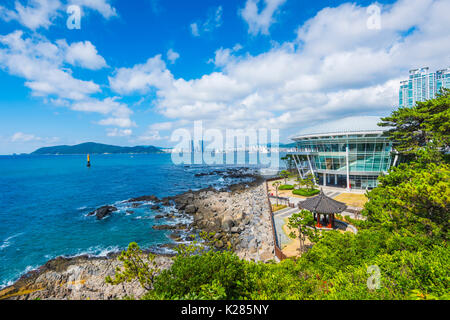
(322, 204)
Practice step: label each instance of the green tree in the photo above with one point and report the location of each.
(136, 265)
(414, 197)
(304, 222)
(284, 174)
(308, 181)
(276, 185)
(426, 123)
(289, 160)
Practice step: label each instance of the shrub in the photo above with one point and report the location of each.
(286, 187)
(306, 192)
(210, 275)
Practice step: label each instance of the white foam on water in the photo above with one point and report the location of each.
(96, 251)
(7, 242)
(6, 284)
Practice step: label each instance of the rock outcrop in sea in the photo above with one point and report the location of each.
(239, 216)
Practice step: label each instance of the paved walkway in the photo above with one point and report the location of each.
(279, 216)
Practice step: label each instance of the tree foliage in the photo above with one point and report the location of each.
(413, 197)
(136, 265)
(423, 124)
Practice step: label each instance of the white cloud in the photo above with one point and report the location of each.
(23, 137)
(83, 54)
(312, 80)
(355, 123)
(151, 135)
(43, 66)
(102, 6)
(260, 20)
(119, 112)
(194, 29)
(225, 56)
(39, 13)
(142, 77)
(172, 56)
(40, 63)
(213, 21)
(119, 132)
(20, 137)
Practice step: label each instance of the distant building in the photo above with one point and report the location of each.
(422, 85)
(349, 159)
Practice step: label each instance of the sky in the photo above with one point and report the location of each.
(131, 72)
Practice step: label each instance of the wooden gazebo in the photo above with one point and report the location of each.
(324, 208)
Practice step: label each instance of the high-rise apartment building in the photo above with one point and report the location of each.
(422, 85)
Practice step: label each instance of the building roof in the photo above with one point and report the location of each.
(322, 204)
(339, 133)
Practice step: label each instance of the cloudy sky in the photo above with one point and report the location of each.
(137, 70)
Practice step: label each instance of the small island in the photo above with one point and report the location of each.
(95, 148)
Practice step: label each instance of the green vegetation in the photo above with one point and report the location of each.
(306, 192)
(425, 124)
(95, 148)
(284, 174)
(306, 225)
(404, 239)
(308, 182)
(276, 185)
(286, 187)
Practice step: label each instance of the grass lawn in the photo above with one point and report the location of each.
(352, 199)
(278, 207)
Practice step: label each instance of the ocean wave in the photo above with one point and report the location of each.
(10, 282)
(6, 283)
(7, 242)
(96, 251)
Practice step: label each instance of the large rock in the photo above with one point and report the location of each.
(227, 224)
(164, 227)
(190, 209)
(78, 278)
(103, 212)
(145, 198)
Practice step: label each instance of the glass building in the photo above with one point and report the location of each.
(422, 85)
(352, 159)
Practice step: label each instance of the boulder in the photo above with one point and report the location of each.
(227, 224)
(164, 227)
(218, 244)
(145, 198)
(102, 212)
(190, 209)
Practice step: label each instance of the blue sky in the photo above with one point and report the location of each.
(137, 70)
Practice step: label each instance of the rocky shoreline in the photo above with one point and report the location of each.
(239, 217)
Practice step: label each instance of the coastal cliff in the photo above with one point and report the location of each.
(239, 217)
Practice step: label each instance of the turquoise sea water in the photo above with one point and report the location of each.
(44, 201)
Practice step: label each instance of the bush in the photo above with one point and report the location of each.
(286, 187)
(211, 275)
(306, 192)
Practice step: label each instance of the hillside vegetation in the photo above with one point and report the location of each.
(95, 148)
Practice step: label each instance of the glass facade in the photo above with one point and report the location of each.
(366, 154)
(422, 85)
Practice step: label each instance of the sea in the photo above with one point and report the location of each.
(45, 201)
